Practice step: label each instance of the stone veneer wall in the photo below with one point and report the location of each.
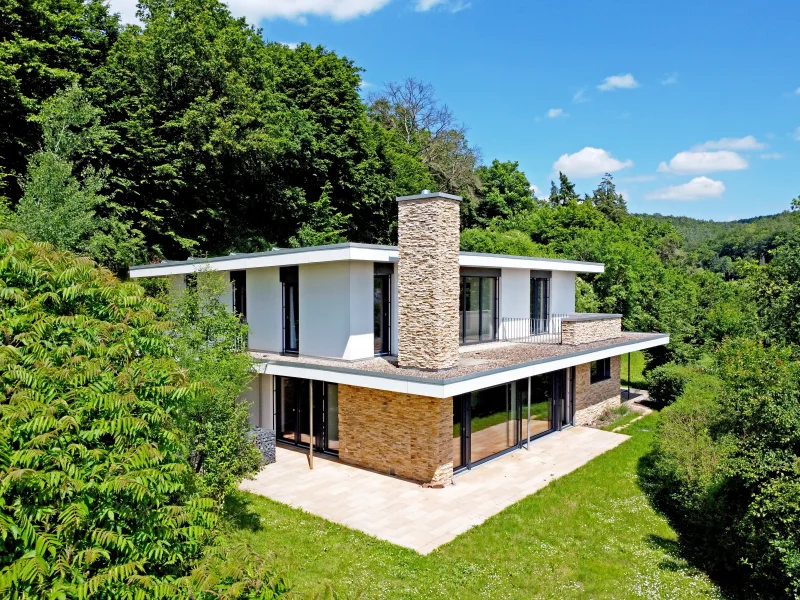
(397, 434)
(583, 331)
(428, 282)
(592, 399)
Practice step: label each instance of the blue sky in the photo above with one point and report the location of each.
(693, 105)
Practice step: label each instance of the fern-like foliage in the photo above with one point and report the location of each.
(96, 498)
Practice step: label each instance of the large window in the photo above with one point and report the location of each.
(478, 309)
(381, 307)
(600, 370)
(291, 310)
(494, 420)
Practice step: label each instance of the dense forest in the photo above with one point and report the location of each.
(190, 135)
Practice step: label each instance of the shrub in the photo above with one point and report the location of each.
(209, 342)
(95, 494)
(724, 468)
(667, 382)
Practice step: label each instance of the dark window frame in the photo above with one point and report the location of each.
(600, 370)
(239, 294)
(462, 309)
(386, 281)
(289, 277)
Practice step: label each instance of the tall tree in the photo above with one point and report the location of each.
(63, 206)
(505, 191)
(427, 126)
(564, 193)
(608, 201)
(45, 45)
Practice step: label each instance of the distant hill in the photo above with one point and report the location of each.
(732, 238)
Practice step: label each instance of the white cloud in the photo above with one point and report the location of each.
(536, 191)
(772, 156)
(669, 79)
(297, 10)
(554, 113)
(744, 143)
(579, 97)
(797, 92)
(684, 163)
(637, 179)
(622, 82)
(290, 45)
(452, 6)
(589, 162)
(699, 188)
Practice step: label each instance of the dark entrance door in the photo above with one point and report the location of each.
(292, 418)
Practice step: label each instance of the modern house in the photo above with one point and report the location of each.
(419, 361)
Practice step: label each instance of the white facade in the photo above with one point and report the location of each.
(562, 293)
(265, 309)
(336, 310)
(335, 288)
(259, 397)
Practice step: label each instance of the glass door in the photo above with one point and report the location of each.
(294, 421)
(540, 309)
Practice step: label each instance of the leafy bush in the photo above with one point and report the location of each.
(209, 342)
(725, 470)
(668, 381)
(95, 490)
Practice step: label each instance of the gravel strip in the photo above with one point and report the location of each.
(483, 358)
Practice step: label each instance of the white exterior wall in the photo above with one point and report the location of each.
(562, 292)
(265, 309)
(336, 310)
(515, 294)
(259, 397)
(226, 298)
(361, 340)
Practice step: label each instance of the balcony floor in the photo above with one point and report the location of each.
(423, 519)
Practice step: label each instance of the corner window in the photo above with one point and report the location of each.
(239, 291)
(381, 308)
(600, 370)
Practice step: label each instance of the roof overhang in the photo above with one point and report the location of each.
(445, 388)
(344, 252)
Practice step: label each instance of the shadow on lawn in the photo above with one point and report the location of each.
(238, 512)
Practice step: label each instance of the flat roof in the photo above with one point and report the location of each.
(479, 367)
(350, 251)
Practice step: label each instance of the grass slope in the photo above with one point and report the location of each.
(637, 366)
(590, 534)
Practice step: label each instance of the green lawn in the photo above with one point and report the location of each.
(637, 366)
(590, 534)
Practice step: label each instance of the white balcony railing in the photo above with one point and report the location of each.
(532, 331)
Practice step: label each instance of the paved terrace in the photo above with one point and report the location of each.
(419, 518)
(474, 360)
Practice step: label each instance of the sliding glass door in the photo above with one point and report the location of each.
(295, 423)
(492, 421)
(478, 309)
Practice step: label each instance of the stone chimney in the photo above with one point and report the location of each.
(428, 276)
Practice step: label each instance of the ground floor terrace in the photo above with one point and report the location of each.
(426, 439)
(419, 518)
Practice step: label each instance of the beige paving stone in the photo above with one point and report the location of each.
(423, 519)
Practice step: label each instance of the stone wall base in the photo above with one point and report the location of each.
(398, 434)
(589, 415)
